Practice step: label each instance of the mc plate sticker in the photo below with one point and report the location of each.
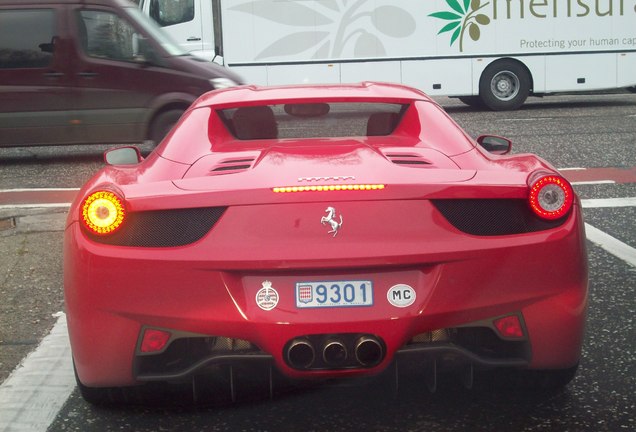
(401, 295)
(334, 294)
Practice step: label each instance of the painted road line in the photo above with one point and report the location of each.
(47, 205)
(37, 196)
(593, 182)
(609, 202)
(617, 175)
(611, 244)
(36, 390)
(38, 190)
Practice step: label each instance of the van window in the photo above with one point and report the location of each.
(171, 12)
(106, 35)
(26, 38)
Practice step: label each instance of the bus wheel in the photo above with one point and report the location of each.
(162, 124)
(504, 85)
(472, 101)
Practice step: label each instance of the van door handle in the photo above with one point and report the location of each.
(53, 74)
(193, 39)
(87, 74)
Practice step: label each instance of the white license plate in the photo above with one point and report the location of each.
(334, 294)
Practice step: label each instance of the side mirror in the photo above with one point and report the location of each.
(123, 156)
(495, 144)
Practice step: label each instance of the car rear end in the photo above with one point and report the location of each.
(324, 258)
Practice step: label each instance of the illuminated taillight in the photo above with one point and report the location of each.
(551, 196)
(509, 327)
(154, 340)
(102, 212)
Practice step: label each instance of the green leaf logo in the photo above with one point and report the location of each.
(464, 14)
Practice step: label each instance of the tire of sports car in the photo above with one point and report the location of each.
(162, 124)
(504, 85)
(472, 101)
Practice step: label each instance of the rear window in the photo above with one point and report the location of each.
(312, 120)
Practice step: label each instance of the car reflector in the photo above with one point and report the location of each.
(102, 212)
(328, 188)
(551, 197)
(509, 327)
(154, 340)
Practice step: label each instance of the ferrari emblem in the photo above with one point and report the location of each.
(267, 297)
(331, 220)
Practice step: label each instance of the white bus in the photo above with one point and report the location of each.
(491, 52)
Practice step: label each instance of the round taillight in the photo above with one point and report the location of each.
(102, 212)
(551, 197)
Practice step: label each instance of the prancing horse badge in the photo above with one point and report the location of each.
(331, 220)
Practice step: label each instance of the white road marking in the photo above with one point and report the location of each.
(611, 244)
(609, 202)
(593, 182)
(47, 205)
(38, 388)
(38, 190)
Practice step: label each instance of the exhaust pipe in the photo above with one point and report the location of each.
(334, 353)
(369, 351)
(300, 354)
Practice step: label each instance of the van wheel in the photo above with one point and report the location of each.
(162, 124)
(504, 85)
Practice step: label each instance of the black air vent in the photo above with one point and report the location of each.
(409, 159)
(163, 228)
(232, 165)
(492, 217)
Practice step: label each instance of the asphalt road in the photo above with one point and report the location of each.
(597, 131)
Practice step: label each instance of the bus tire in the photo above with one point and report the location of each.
(472, 101)
(504, 85)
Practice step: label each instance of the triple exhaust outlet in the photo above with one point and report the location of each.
(335, 352)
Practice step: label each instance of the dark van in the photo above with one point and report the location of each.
(92, 71)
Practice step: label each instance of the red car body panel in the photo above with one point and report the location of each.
(391, 236)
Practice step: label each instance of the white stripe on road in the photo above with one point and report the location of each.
(609, 202)
(38, 388)
(593, 182)
(47, 205)
(611, 244)
(38, 190)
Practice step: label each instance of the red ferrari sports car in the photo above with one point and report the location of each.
(324, 232)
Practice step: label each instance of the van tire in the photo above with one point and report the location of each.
(504, 85)
(163, 123)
